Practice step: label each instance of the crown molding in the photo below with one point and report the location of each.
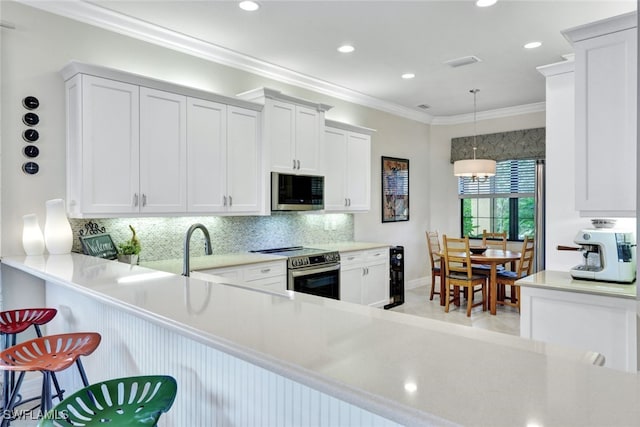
(98, 16)
(490, 114)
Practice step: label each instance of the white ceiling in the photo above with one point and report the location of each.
(391, 38)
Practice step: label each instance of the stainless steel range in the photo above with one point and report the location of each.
(311, 271)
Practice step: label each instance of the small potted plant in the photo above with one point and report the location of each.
(128, 251)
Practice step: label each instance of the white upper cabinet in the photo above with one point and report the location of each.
(207, 156)
(292, 131)
(103, 146)
(606, 82)
(138, 146)
(163, 138)
(347, 167)
(244, 162)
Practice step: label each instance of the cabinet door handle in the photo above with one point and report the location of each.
(224, 200)
(294, 163)
(349, 202)
(144, 199)
(230, 201)
(265, 270)
(298, 164)
(346, 203)
(135, 199)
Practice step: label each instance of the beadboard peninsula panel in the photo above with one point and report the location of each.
(214, 388)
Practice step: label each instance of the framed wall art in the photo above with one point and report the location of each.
(395, 189)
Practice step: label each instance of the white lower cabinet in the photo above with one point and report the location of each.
(270, 275)
(364, 277)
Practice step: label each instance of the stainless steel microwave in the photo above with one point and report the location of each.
(296, 192)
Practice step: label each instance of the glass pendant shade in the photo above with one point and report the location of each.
(32, 238)
(57, 230)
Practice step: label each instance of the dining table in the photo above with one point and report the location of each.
(491, 257)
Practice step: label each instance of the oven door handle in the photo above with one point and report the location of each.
(305, 271)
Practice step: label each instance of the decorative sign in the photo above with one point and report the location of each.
(395, 189)
(99, 245)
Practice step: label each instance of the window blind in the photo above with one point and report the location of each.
(514, 178)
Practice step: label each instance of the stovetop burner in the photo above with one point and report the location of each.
(291, 251)
(300, 256)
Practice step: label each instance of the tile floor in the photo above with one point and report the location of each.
(507, 319)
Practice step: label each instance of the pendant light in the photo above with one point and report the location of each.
(474, 168)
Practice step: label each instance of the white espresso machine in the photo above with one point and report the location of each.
(609, 255)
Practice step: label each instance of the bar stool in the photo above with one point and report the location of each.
(48, 354)
(128, 401)
(13, 322)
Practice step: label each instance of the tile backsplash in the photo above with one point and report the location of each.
(163, 238)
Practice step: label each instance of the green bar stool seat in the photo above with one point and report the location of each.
(128, 401)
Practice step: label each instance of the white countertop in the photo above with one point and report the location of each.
(212, 261)
(366, 356)
(243, 258)
(562, 281)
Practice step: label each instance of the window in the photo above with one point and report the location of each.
(504, 202)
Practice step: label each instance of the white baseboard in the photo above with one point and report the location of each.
(416, 283)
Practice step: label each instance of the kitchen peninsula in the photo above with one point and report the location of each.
(247, 357)
(583, 314)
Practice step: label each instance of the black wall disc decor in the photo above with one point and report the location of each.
(30, 103)
(30, 168)
(30, 119)
(31, 151)
(30, 135)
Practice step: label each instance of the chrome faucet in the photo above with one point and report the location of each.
(187, 240)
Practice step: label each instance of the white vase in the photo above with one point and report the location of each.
(57, 230)
(32, 238)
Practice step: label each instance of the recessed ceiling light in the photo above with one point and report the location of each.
(408, 76)
(248, 5)
(532, 45)
(485, 3)
(346, 48)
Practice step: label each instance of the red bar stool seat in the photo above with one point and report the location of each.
(48, 354)
(13, 322)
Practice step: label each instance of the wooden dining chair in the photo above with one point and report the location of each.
(433, 244)
(494, 240)
(459, 274)
(508, 278)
